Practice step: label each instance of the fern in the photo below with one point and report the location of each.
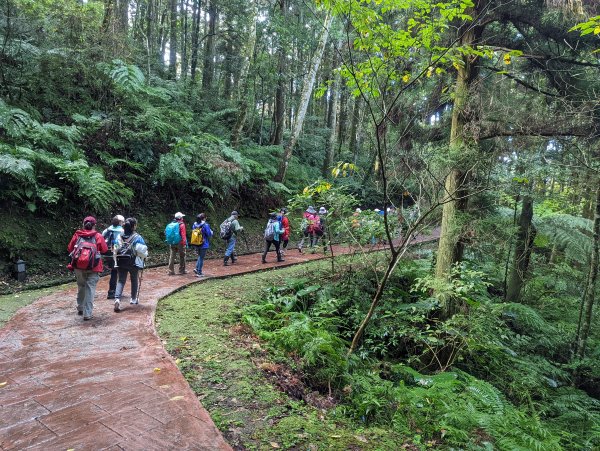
(126, 76)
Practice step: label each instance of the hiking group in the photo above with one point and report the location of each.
(121, 247)
(124, 251)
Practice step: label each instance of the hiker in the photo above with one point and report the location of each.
(85, 249)
(284, 225)
(112, 236)
(229, 230)
(273, 233)
(309, 220)
(130, 256)
(320, 229)
(201, 235)
(177, 241)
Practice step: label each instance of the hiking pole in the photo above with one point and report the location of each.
(140, 279)
(245, 240)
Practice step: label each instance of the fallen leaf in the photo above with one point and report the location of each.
(176, 398)
(2, 384)
(335, 436)
(156, 370)
(361, 438)
(177, 361)
(275, 444)
(164, 386)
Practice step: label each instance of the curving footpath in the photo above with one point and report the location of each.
(106, 383)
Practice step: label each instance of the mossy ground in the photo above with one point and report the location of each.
(10, 303)
(201, 327)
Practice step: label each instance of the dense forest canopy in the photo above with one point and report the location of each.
(481, 117)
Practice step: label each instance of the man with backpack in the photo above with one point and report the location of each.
(273, 233)
(85, 249)
(176, 239)
(228, 231)
(112, 236)
(201, 235)
(130, 256)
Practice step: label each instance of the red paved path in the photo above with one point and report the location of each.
(106, 383)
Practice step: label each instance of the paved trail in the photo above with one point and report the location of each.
(107, 383)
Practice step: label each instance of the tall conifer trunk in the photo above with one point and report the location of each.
(589, 297)
(279, 112)
(450, 248)
(209, 53)
(195, 39)
(173, 40)
(244, 85)
(522, 255)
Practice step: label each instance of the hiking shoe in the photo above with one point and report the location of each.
(182, 272)
(87, 318)
(171, 273)
(134, 301)
(117, 305)
(195, 271)
(80, 312)
(199, 275)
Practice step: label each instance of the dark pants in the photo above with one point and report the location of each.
(174, 250)
(123, 272)
(112, 283)
(268, 246)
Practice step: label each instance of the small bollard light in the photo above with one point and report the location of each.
(20, 270)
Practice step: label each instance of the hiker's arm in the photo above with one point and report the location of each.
(71, 245)
(101, 244)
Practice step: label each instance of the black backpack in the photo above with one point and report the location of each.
(126, 253)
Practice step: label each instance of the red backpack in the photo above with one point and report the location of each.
(85, 255)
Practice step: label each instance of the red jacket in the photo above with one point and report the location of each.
(285, 223)
(100, 244)
(183, 241)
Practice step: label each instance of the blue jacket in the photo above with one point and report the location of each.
(207, 233)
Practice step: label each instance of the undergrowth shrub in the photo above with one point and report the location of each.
(482, 379)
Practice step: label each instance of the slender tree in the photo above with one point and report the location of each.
(307, 88)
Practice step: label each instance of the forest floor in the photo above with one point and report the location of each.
(106, 383)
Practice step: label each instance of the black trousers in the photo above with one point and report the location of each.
(268, 246)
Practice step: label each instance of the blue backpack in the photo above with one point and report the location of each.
(172, 234)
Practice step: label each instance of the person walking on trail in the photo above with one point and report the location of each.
(273, 233)
(177, 241)
(112, 236)
(131, 256)
(229, 230)
(284, 225)
(85, 249)
(201, 235)
(321, 229)
(309, 220)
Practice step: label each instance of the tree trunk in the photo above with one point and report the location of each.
(184, 38)
(353, 145)
(195, 39)
(450, 247)
(307, 88)
(123, 15)
(589, 296)
(523, 246)
(228, 69)
(247, 55)
(279, 114)
(173, 41)
(209, 50)
(332, 115)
